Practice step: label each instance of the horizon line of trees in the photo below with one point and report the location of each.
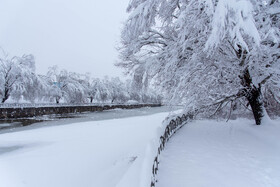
(20, 83)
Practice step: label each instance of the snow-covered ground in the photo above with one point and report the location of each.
(88, 154)
(220, 154)
(119, 152)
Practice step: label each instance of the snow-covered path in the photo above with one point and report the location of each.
(85, 154)
(219, 154)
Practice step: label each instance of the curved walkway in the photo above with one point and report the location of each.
(220, 154)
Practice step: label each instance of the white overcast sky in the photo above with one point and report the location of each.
(77, 35)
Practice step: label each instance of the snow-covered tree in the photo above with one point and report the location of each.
(91, 88)
(14, 73)
(34, 89)
(56, 83)
(66, 85)
(102, 94)
(116, 88)
(205, 53)
(76, 90)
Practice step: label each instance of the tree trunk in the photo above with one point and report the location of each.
(256, 102)
(3, 100)
(254, 96)
(6, 95)
(57, 100)
(91, 99)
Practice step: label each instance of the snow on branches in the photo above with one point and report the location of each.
(14, 73)
(201, 52)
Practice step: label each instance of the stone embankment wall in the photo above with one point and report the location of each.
(21, 112)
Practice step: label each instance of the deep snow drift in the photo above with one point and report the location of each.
(220, 154)
(85, 154)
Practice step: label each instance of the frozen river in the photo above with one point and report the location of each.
(107, 149)
(51, 120)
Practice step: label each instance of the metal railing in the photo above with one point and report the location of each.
(175, 123)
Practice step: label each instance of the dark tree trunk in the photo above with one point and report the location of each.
(256, 102)
(4, 99)
(6, 95)
(57, 100)
(91, 99)
(254, 96)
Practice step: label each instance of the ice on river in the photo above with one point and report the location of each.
(13, 125)
(92, 153)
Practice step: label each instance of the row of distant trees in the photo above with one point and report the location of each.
(20, 83)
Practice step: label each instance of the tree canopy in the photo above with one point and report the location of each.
(208, 53)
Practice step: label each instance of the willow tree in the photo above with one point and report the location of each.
(205, 53)
(14, 74)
